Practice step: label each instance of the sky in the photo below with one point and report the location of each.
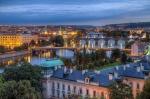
(74, 12)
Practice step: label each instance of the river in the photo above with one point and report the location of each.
(37, 59)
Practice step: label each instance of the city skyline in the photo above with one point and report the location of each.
(73, 12)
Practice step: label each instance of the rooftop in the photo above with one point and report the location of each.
(134, 70)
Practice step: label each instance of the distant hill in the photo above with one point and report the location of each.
(129, 25)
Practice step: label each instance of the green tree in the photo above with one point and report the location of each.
(100, 55)
(22, 47)
(18, 90)
(123, 58)
(146, 91)
(24, 71)
(115, 54)
(2, 49)
(120, 91)
(58, 40)
(43, 43)
(129, 44)
(32, 43)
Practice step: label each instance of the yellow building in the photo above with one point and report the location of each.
(16, 40)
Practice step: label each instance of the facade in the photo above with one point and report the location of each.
(87, 83)
(16, 40)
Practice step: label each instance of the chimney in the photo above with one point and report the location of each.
(55, 68)
(110, 75)
(142, 67)
(124, 67)
(117, 68)
(115, 74)
(128, 65)
(83, 72)
(138, 68)
(86, 70)
(97, 71)
(71, 70)
(59, 66)
(65, 69)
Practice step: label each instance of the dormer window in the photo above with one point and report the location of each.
(138, 69)
(110, 76)
(87, 80)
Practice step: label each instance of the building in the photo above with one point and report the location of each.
(88, 83)
(58, 31)
(16, 40)
(138, 48)
(48, 66)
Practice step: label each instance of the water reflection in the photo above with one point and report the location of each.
(65, 53)
(36, 59)
(40, 57)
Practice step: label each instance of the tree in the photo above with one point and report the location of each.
(22, 47)
(2, 49)
(146, 91)
(123, 58)
(129, 44)
(43, 43)
(119, 90)
(74, 96)
(18, 90)
(58, 40)
(100, 54)
(32, 43)
(24, 71)
(115, 54)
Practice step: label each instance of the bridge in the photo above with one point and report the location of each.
(14, 54)
(75, 48)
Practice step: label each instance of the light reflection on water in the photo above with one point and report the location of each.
(65, 53)
(36, 60)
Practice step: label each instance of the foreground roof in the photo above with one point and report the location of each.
(134, 70)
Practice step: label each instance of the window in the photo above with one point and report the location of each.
(80, 91)
(53, 85)
(74, 89)
(63, 87)
(87, 92)
(87, 80)
(63, 95)
(53, 89)
(58, 93)
(94, 93)
(131, 84)
(57, 85)
(138, 86)
(102, 94)
(68, 87)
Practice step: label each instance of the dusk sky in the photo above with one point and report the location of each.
(75, 12)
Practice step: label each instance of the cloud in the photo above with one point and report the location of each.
(46, 8)
(72, 11)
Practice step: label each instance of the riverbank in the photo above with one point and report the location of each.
(14, 54)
